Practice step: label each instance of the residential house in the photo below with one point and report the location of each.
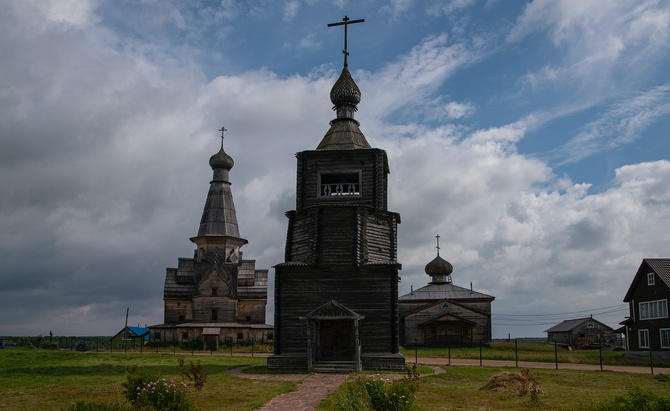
(648, 326)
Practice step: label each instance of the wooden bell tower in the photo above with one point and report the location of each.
(336, 293)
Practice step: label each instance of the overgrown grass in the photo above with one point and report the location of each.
(459, 388)
(533, 352)
(32, 379)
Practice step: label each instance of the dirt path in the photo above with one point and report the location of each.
(541, 365)
(313, 388)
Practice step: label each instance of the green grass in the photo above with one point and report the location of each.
(458, 389)
(32, 379)
(533, 352)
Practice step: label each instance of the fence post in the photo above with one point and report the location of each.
(416, 352)
(600, 349)
(449, 352)
(480, 353)
(651, 360)
(516, 353)
(556, 353)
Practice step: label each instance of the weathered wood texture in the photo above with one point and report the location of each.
(341, 235)
(371, 163)
(446, 323)
(369, 291)
(340, 247)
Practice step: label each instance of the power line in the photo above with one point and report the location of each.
(618, 307)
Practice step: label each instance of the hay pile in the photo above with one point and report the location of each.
(523, 382)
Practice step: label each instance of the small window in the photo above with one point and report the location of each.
(248, 318)
(464, 331)
(665, 337)
(643, 338)
(184, 336)
(340, 184)
(215, 291)
(590, 325)
(181, 318)
(650, 279)
(215, 314)
(240, 337)
(157, 336)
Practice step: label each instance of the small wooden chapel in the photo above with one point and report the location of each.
(336, 293)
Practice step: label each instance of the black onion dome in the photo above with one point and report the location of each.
(345, 90)
(221, 160)
(439, 266)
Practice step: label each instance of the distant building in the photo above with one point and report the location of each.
(581, 331)
(131, 337)
(216, 296)
(648, 326)
(442, 314)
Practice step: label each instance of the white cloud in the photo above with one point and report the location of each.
(622, 124)
(595, 40)
(104, 146)
(290, 9)
(456, 110)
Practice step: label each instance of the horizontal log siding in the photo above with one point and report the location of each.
(378, 241)
(367, 291)
(301, 241)
(337, 239)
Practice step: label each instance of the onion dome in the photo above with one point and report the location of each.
(221, 160)
(345, 90)
(439, 266)
(440, 269)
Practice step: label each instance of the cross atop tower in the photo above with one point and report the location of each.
(222, 130)
(437, 237)
(345, 22)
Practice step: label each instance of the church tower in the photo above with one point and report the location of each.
(216, 296)
(336, 293)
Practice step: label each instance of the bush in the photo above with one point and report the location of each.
(164, 395)
(635, 400)
(365, 393)
(146, 390)
(137, 377)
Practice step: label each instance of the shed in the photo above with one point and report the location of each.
(579, 331)
(131, 337)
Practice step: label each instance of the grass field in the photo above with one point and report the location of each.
(37, 379)
(534, 352)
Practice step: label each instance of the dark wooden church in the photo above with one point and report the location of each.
(336, 293)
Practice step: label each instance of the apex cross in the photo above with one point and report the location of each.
(345, 22)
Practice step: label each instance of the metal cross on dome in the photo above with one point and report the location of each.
(437, 237)
(345, 22)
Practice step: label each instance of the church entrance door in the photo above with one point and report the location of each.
(336, 340)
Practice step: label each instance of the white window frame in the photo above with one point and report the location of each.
(651, 280)
(650, 310)
(643, 338)
(664, 334)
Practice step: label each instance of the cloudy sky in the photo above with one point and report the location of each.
(532, 136)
